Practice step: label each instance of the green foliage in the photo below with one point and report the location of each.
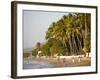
(26, 55)
(38, 46)
(87, 43)
(57, 47)
(45, 49)
(67, 36)
(72, 31)
(34, 52)
(52, 47)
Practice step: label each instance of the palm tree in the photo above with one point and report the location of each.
(85, 21)
(73, 31)
(39, 48)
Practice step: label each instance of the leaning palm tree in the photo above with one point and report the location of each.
(71, 30)
(84, 21)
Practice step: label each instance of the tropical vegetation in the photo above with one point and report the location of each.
(70, 35)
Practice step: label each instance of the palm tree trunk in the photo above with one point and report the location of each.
(85, 37)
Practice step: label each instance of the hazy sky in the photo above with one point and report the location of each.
(35, 24)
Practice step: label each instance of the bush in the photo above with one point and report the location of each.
(34, 52)
(26, 55)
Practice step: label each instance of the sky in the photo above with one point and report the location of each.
(35, 25)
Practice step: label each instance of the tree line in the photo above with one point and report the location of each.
(70, 35)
